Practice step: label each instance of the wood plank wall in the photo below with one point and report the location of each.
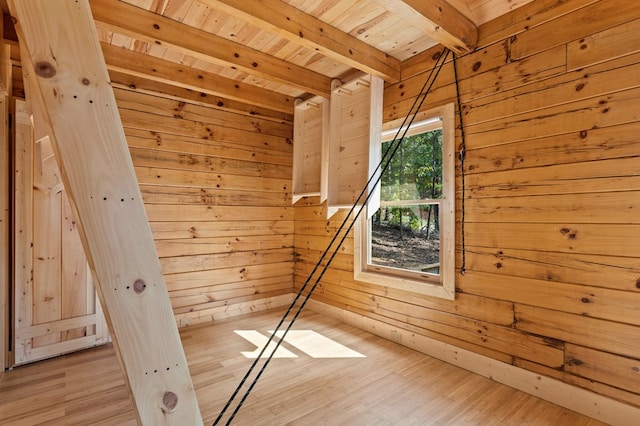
(216, 188)
(552, 285)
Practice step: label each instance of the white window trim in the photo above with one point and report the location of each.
(445, 285)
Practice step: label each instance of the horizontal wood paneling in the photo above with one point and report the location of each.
(180, 127)
(154, 194)
(598, 387)
(230, 148)
(491, 73)
(204, 213)
(614, 305)
(563, 266)
(600, 47)
(216, 191)
(528, 16)
(581, 146)
(226, 278)
(595, 333)
(170, 177)
(604, 367)
(204, 262)
(597, 80)
(572, 26)
(602, 111)
(594, 207)
(552, 272)
(195, 229)
(193, 162)
(606, 239)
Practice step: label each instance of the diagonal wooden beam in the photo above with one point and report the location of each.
(69, 78)
(301, 28)
(134, 63)
(445, 23)
(147, 26)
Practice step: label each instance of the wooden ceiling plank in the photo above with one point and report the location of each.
(147, 26)
(156, 69)
(71, 82)
(440, 19)
(304, 29)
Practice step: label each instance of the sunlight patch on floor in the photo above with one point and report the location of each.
(260, 340)
(311, 343)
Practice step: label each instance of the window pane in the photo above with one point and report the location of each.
(406, 237)
(415, 172)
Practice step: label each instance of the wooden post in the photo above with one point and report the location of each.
(72, 84)
(5, 196)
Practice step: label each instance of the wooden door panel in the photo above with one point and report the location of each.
(78, 292)
(47, 268)
(56, 308)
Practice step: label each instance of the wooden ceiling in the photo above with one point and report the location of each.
(258, 56)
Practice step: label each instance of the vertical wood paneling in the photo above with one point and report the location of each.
(23, 226)
(47, 265)
(551, 209)
(77, 290)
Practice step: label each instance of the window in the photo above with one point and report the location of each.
(406, 239)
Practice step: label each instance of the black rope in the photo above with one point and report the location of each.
(375, 179)
(462, 155)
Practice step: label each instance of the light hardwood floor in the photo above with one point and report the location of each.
(392, 385)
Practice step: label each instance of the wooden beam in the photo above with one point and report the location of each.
(156, 69)
(280, 18)
(147, 26)
(445, 23)
(71, 81)
(5, 196)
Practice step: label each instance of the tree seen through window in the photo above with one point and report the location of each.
(405, 231)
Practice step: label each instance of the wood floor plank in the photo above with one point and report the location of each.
(392, 385)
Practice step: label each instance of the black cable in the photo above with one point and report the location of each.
(392, 149)
(463, 154)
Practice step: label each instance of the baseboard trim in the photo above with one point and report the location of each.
(572, 397)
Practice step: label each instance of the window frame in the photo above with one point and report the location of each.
(442, 285)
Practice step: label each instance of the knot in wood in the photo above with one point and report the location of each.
(44, 69)
(139, 286)
(169, 400)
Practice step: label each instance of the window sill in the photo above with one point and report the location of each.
(440, 290)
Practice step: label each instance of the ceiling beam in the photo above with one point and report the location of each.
(147, 66)
(68, 77)
(444, 23)
(306, 30)
(147, 26)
